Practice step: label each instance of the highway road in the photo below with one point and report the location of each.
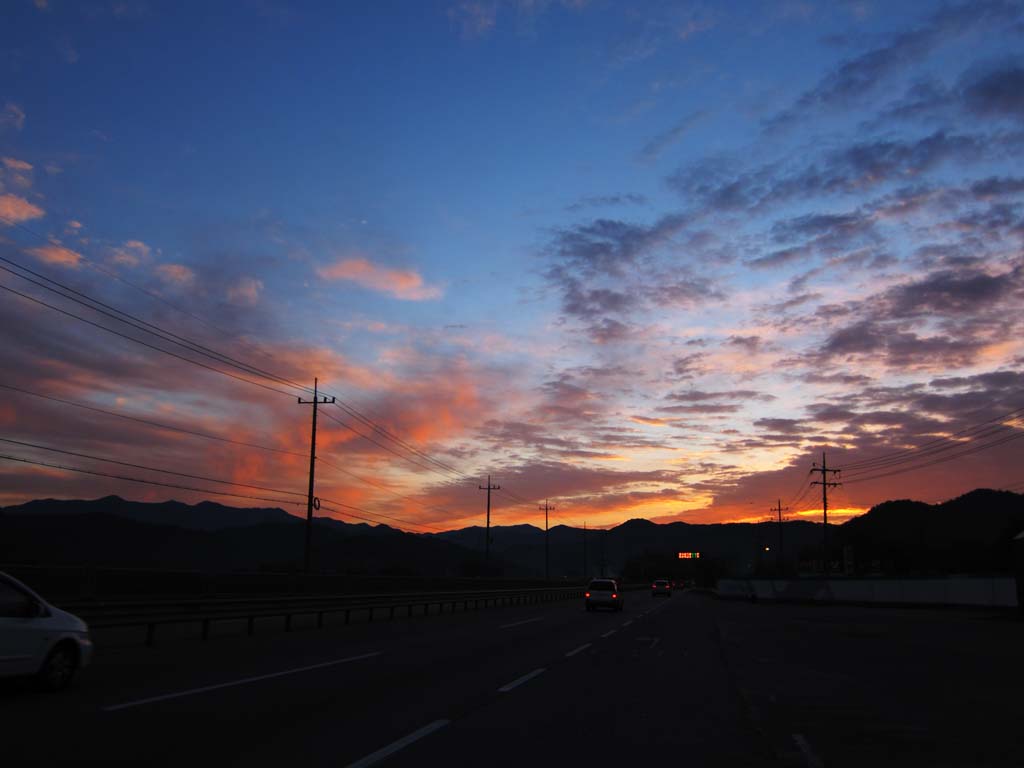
(683, 681)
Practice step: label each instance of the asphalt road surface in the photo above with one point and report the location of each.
(688, 680)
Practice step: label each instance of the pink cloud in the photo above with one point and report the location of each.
(17, 165)
(16, 209)
(176, 274)
(246, 291)
(403, 284)
(56, 254)
(131, 253)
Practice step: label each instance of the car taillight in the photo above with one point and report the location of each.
(587, 595)
(614, 596)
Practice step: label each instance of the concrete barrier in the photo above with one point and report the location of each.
(990, 592)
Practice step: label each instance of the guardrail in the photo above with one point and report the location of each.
(101, 615)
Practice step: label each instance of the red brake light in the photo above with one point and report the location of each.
(654, 586)
(587, 595)
(614, 596)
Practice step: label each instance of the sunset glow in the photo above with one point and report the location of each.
(643, 262)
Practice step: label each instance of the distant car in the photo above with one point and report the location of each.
(661, 587)
(37, 639)
(604, 593)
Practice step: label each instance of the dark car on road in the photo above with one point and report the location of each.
(661, 587)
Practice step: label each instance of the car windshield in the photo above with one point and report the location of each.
(602, 586)
(661, 583)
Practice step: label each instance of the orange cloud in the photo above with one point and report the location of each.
(16, 209)
(57, 254)
(246, 291)
(403, 284)
(176, 274)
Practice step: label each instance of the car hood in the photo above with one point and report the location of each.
(66, 621)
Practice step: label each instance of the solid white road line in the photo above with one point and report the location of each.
(609, 633)
(809, 757)
(394, 746)
(243, 681)
(521, 680)
(517, 623)
(574, 651)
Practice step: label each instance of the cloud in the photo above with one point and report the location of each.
(603, 201)
(245, 292)
(15, 164)
(14, 209)
(13, 115)
(474, 18)
(131, 253)
(405, 284)
(56, 254)
(663, 141)
(177, 275)
(998, 92)
(854, 78)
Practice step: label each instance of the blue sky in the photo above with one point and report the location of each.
(647, 258)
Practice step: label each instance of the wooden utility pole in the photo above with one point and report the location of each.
(311, 500)
(547, 552)
(585, 550)
(778, 557)
(487, 542)
(825, 485)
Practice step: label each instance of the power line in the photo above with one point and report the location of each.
(204, 478)
(138, 324)
(150, 422)
(143, 343)
(909, 453)
(146, 482)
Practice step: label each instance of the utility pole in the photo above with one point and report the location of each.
(825, 485)
(547, 553)
(311, 500)
(487, 543)
(778, 557)
(603, 571)
(585, 550)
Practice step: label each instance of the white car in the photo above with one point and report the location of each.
(603, 593)
(38, 639)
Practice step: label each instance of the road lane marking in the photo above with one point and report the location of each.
(525, 678)
(628, 623)
(574, 651)
(394, 746)
(243, 681)
(517, 623)
(655, 641)
(809, 757)
(609, 633)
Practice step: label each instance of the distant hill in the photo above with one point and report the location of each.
(204, 516)
(114, 533)
(969, 534)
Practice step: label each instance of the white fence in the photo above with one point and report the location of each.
(996, 592)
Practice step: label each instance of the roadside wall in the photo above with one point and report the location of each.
(996, 592)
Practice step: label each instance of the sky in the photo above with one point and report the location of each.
(640, 259)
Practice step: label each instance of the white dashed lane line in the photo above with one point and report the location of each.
(231, 684)
(401, 743)
(810, 758)
(519, 681)
(520, 623)
(574, 651)
(609, 633)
